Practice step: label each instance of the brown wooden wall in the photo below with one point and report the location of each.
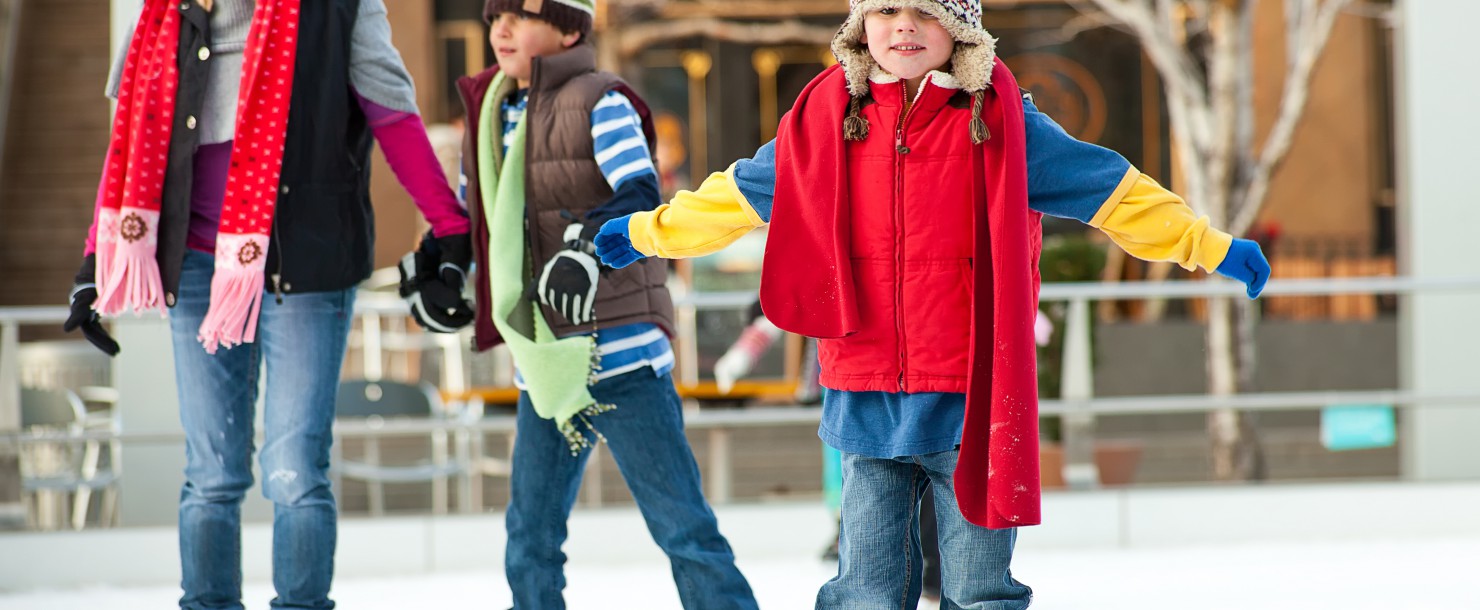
(55, 136)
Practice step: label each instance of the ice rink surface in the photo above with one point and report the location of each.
(1386, 575)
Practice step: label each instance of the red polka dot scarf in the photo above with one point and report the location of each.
(138, 152)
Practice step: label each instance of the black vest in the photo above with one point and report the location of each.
(323, 236)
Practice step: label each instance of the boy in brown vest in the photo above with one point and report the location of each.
(554, 148)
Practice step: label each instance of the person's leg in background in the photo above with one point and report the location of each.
(832, 496)
(929, 547)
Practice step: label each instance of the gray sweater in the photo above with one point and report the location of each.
(376, 70)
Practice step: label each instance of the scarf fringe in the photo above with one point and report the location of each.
(591, 378)
(236, 299)
(575, 437)
(131, 282)
(103, 258)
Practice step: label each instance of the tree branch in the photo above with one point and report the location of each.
(1315, 32)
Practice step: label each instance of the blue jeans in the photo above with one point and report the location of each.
(879, 564)
(302, 341)
(645, 437)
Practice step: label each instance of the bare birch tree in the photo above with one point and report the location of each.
(1204, 52)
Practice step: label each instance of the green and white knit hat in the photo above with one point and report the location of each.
(971, 64)
(568, 15)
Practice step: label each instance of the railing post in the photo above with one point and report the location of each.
(371, 352)
(1077, 388)
(688, 345)
(12, 509)
(10, 385)
(721, 469)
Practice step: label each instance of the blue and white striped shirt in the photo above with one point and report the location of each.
(622, 152)
(616, 131)
(627, 348)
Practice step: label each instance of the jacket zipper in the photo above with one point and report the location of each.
(277, 278)
(531, 266)
(900, 150)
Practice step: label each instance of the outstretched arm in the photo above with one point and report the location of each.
(725, 207)
(1154, 224)
(1073, 179)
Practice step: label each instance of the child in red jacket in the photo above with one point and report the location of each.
(904, 192)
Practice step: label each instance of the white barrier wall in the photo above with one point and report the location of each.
(1205, 517)
(1438, 132)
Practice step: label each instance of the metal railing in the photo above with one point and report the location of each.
(1078, 406)
(1078, 401)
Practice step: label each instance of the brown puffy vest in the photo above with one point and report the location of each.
(563, 181)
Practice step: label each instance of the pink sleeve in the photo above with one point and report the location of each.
(404, 140)
(92, 230)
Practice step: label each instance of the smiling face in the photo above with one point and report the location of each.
(907, 42)
(517, 40)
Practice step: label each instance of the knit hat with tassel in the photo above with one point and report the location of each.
(567, 15)
(971, 62)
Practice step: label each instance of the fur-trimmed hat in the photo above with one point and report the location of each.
(971, 62)
(567, 15)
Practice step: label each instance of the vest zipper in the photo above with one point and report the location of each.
(900, 150)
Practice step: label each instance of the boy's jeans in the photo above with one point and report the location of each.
(302, 342)
(645, 436)
(879, 565)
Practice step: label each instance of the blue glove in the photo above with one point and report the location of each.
(1245, 262)
(614, 244)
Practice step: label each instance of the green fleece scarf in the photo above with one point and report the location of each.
(556, 371)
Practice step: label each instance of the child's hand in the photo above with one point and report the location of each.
(614, 244)
(432, 278)
(1245, 262)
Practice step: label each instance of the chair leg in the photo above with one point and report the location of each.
(468, 472)
(108, 509)
(91, 454)
(374, 488)
(33, 510)
(46, 510)
(81, 500)
(439, 485)
(475, 472)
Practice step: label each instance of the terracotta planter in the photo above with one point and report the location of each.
(1116, 460)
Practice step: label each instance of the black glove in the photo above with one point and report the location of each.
(84, 293)
(568, 282)
(432, 280)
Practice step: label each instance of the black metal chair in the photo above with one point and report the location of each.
(72, 464)
(382, 402)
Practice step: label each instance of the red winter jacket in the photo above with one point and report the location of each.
(912, 188)
(917, 267)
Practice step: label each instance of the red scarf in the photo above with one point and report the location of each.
(138, 151)
(807, 284)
